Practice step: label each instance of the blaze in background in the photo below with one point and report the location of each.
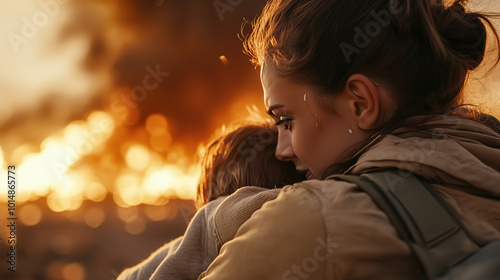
(146, 154)
(59, 173)
(80, 63)
(92, 155)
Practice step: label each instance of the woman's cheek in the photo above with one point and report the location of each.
(303, 143)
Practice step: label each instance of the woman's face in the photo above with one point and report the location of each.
(307, 134)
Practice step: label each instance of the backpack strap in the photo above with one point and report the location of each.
(422, 218)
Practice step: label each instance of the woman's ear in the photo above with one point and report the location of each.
(364, 101)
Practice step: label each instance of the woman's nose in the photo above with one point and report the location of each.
(284, 149)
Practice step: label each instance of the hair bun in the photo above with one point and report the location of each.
(464, 33)
(458, 7)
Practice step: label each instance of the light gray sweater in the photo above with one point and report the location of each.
(213, 225)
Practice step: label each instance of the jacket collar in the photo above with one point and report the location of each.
(448, 150)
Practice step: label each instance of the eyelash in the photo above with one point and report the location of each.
(287, 122)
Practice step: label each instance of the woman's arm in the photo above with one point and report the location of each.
(285, 239)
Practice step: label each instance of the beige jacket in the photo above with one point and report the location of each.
(332, 230)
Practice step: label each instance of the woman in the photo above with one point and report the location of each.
(241, 155)
(356, 86)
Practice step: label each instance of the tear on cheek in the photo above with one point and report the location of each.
(309, 175)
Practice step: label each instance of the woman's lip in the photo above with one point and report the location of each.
(309, 175)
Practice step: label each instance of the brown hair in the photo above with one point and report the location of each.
(420, 50)
(243, 155)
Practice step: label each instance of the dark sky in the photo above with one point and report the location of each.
(186, 39)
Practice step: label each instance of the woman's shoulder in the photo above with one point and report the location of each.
(238, 207)
(352, 225)
(314, 196)
(322, 190)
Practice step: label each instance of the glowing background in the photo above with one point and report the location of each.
(105, 155)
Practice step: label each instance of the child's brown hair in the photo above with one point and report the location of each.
(243, 156)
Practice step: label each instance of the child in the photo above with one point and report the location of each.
(241, 156)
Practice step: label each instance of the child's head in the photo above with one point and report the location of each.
(243, 155)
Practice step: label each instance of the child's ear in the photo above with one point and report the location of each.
(363, 101)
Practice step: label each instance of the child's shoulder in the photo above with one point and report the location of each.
(237, 208)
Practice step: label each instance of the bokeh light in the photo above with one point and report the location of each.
(30, 214)
(128, 214)
(73, 271)
(137, 157)
(95, 191)
(156, 124)
(94, 217)
(47, 172)
(160, 143)
(55, 270)
(136, 226)
(159, 213)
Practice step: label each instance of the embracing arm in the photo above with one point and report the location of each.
(145, 269)
(285, 239)
(212, 226)
(183, 258)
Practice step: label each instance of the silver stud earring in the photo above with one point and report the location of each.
(350, 131)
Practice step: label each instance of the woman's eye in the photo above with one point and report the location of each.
(287, 123)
